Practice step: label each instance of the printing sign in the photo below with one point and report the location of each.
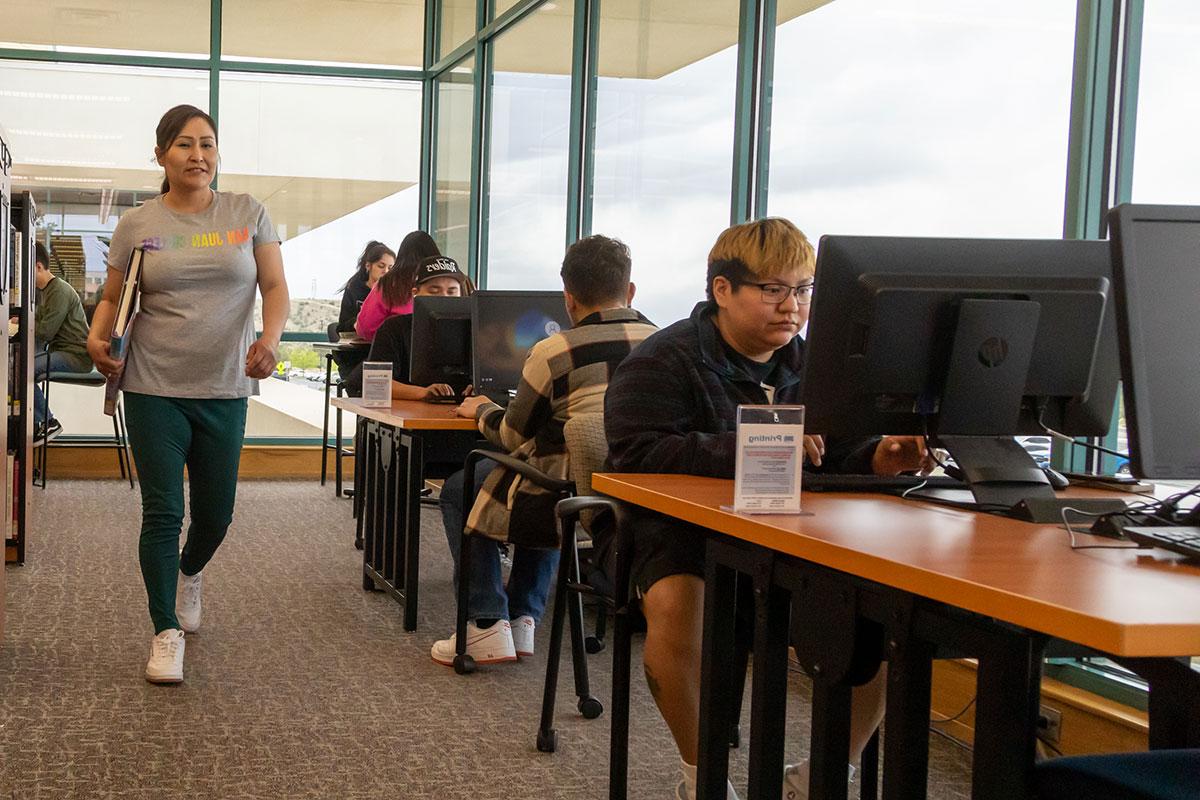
(377, 384)
(770, 459)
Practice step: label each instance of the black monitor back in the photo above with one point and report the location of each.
(1156, 265)
(879, 333)
(505, 326)
(441, 342)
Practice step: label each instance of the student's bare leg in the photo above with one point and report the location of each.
(866, 711)
(674, 611)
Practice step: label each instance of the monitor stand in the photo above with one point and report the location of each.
(1004, 478)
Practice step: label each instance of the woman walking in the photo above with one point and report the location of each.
(193, 361)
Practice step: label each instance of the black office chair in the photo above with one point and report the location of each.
(588, 449)
(1154, 775)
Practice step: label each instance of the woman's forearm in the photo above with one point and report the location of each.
(102, 320)
(276, 307)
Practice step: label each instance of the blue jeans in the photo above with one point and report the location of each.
(57, 362)
(533, 568)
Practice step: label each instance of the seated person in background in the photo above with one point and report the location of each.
(564, 375)
(672, 408)
(374, 262)
(437, 277)
(61, 327)
(393, 293)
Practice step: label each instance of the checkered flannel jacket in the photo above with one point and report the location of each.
(564, 375)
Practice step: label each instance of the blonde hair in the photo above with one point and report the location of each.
(761, 249)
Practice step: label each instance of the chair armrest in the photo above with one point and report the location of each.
(574, 506)
(522, 468)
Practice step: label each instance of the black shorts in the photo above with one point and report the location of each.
(663, 547)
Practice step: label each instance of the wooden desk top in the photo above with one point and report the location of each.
(1124, 602)
(408, 414)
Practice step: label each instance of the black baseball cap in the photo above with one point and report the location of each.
(439, 267)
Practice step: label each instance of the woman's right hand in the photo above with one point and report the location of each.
(108, 366)
(438, 390)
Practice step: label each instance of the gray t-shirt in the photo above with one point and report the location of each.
(199, 278)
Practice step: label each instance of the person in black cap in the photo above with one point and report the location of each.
(437, 276)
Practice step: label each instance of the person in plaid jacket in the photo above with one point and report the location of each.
(564, 375)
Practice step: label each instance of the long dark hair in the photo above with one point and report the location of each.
(171, 124)
(397, 285)
(370, 254)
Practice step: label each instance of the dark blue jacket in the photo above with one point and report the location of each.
(672, 404)
(671, 407)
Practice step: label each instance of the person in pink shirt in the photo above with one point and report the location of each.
(392, 294)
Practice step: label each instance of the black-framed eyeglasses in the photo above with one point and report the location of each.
(776, 293)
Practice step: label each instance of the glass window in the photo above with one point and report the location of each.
(132, 26)
(75, 126)
(1166, 164)
(664, 141)
(922, 117)
(456, 24)
(452, 161)
(325, 31)
(500, 6)
(531, 107)
(332, 181)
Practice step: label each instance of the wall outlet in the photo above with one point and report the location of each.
(1049, 725)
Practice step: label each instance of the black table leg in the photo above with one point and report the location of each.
(1008, 686)
(768, 709)
(720, 593)
(325, 421)
(909, 686)
(1174, 703)
(410, 524)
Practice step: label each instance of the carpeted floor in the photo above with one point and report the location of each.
(299, 685)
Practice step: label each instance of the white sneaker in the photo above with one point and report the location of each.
(187, 601)
(686, 788)
(795, 780)
(486, 645)
(522, 633)
(166, 657)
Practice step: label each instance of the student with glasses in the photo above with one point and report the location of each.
(671, 407)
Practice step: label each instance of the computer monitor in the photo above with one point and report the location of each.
(970, 341)
(440, 351)
(1156, 271)
(505, 326)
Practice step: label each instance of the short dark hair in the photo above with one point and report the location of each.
(596, 270)
(41, 254)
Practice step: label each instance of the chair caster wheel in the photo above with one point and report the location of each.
(590, 707)
(358, 544)
(735, 737)
(369, 583)
(464, 664)
(547, 742)
(593, 645)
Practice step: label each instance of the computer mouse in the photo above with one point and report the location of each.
(1057, 480)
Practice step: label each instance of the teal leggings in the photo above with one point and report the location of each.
(165, 433)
